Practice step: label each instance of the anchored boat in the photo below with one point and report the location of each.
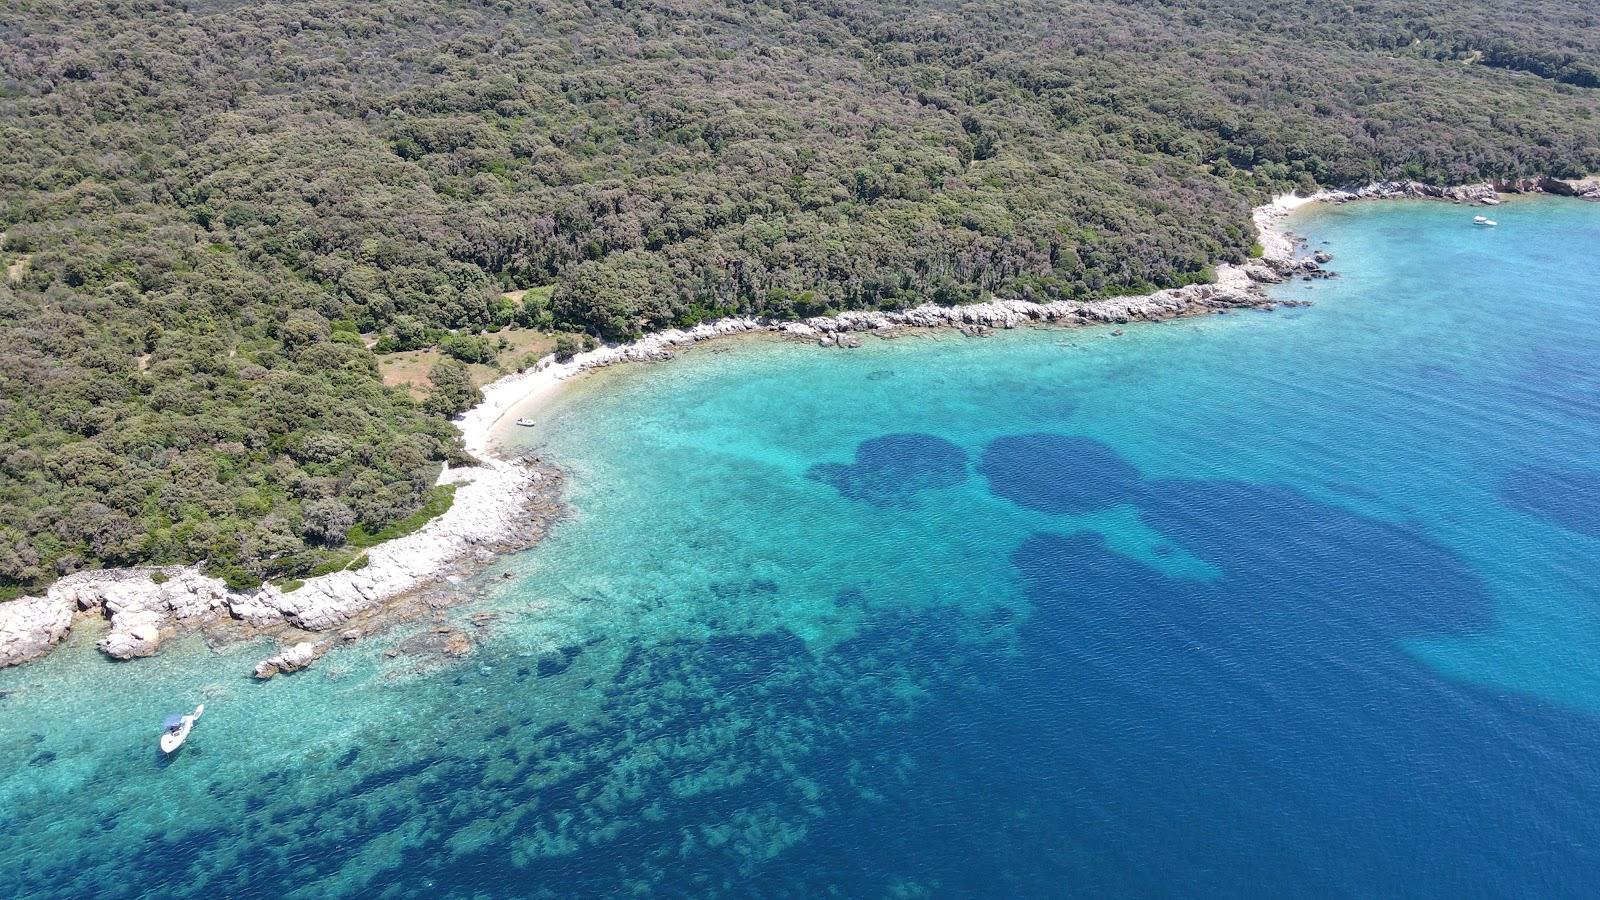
(177, 729)
(526, 423)
(1483, 220)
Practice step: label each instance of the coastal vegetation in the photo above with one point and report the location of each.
(511, 350)
(220, 216)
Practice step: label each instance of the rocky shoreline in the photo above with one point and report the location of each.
(1236, 287)
(503, 505)
(499, 506)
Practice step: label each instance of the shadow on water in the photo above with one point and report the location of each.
(891, 470)
(1567, 498)
(1057, 473)
(1134, 734)
(1260, 732)
(1564, 380)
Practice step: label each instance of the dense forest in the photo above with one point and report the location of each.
(216, 213)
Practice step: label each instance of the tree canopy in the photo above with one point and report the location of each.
(211, 207)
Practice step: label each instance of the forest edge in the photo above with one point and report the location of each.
(504, 504)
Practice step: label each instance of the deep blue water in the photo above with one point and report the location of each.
(1299, 603)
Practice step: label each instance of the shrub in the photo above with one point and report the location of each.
(453, 391)
(326, 521)
(569, 345)
(469, 348)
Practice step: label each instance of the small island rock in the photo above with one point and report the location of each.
(291, 660)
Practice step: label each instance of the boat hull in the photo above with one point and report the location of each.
(174, 739)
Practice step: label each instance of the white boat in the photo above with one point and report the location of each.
(177, 729)
(1483, 220)
(526, 423)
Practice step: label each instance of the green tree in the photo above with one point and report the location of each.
(452, 389)
(469, 348)
(326, 521)
(619, 297)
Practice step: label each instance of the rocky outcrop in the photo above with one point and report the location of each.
(488, 514)
(31, 626)
(1585, 188)
(1487, 192)
(140, 639)
(292, 659)
(1463, 193)
(1191, 300)
(146, 606)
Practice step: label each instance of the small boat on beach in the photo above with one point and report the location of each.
(177, 729)
(526, 423)
(1483, 220)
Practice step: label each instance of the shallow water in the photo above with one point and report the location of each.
(1289, 603)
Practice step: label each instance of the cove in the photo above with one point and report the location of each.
(1294, 603)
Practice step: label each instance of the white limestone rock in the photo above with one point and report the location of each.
(31, 626)
(292, 659)
(144, 604)
(140, 603)
(141, 637)
(487, 507)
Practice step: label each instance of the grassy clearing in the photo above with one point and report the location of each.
(334, 561)
(409, 368)
(542, 294)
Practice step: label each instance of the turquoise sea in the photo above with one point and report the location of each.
(1264, 604)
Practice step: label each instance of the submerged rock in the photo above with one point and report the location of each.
(143, 604)
(892, 469)
(437, 643)
(457, 645)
